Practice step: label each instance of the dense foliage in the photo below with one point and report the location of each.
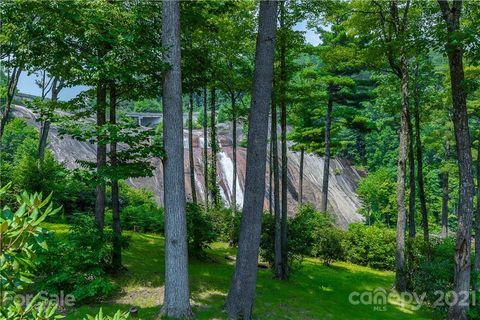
(76, 263)
(390, 87)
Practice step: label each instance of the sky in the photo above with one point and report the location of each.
(26, 83)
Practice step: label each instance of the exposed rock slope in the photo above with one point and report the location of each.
(343, 201)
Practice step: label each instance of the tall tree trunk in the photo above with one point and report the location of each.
(276, 194)
(101, 156)
(234, 151)
(214, 147)
(477, 222)
(300, 196)
(445, 198)
(116, 226)
(190, 146)
(400, 272)
(326, 165)
(176, 295)
(42, 143)
(12, 87)
(454, 49)
(411, 181)
(240, 298)
(270, 173)
(419, 153)
(205, 145)
(283, 124)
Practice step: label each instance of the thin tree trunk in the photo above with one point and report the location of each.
(445, 198)
(283, 124)
(300, 197)
(477, 222)
(101, 156)
(400, 272)
(240, 298)
(276, 195)
(411, 181)
(190, 146)
(205, 145)
(176, 295)
(214, 147)
(42, 144)
(326, 165)
(461, 287)
(234, 150)
(12, 86)
(270, 173)
(116, 226)
(419, 153)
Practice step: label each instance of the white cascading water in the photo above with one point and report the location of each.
(227, 171)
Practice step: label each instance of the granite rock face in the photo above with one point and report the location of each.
(343, 202)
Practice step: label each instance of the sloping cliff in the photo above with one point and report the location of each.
(343, 202)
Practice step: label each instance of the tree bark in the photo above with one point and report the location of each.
(461, 287)
(116, 225)
(445, 198)
(12, 86)
(283, 124)
(270, 173)
(300, 196)
(42, 144)
(326, 164)
(419, 154)
(477, 222)
(205, 145)
(214, 147)
(240, 298)
(101, 156)
(176, 295)
(276, 195)
(400, 272)
(190, 146)
(234, 151)
(411, 181)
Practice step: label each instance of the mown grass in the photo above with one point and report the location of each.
(313, 292)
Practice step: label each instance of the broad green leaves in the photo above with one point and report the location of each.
(20, 234)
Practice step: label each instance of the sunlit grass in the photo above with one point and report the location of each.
(313, 292)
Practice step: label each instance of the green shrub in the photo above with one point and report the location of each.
(305, 227)
(200, 229)
(77, 263)
(130, 196)
(21, 236)
(302, 230)
(138, 210)
(226, 224)
(370, 246)
(328, 245)
(432, 269)
(142, 218)
(267, 239)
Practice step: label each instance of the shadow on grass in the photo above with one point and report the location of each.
(313, 292)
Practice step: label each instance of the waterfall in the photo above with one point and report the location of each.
(227, 170)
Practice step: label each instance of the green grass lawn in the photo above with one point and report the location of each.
(313, 292)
